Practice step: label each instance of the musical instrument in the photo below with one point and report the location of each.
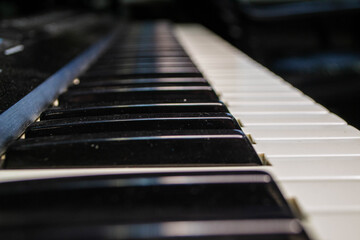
(299, 142)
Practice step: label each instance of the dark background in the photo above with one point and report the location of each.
(314, 45)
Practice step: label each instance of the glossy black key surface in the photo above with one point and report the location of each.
(146, 82)
(144, 54)
(58, 112)
(120, 96)
(155, 72)
(124, 65)
(175, 148)
(153, 197)
(132, 122)
(144, 60)
(275, 229)
(190, 205)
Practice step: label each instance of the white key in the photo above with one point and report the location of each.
(285, 132)
(242, 99)
(230, 96)
(288, 119)
(315, 166)
(245, 82)
(311, 148)
(324, 193)
(335, 225)
(268, 108)
(252, 88)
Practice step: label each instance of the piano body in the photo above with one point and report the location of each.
(166, 131)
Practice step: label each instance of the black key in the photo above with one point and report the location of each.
(276, 229)
(155, 72)
(146, 45)
(143, 54)
(206, 205)
(121, 96)
(144, 60)
(149, 197)
(142, 47)
(146, 82)
(126, 65)
(58, 113)
(155, 148)
(132, 122)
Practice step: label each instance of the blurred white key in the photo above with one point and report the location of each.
(302, 132)
(274, 98)
(243, 109)
(324, 193)
(315, 166)
(311, 148)
(253, 88)
(230, 96)
(335, 225)
(251, 119)
(245, 82)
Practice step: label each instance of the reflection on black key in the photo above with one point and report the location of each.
(206, 205)
(132, 122)
(150, 197)
(146, 82)
(177, 148)
(58, 112)
(141, 65)
(156, 72)
(143, 54)
(147, 95)
(144, 60)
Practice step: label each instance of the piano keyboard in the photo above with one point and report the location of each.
(313, 153)
(145, 108)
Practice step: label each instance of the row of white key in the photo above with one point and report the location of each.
(314, 154)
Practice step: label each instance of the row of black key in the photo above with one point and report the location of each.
(142, 108)
(120, 115)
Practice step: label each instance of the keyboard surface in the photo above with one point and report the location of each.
(181, 100)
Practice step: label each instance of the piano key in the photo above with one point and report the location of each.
(263, 102)
(249, 88)
(303, 169)
(145, 60)
(132, 122)
(181, 148)
(143, 54)
(277, 132)
(147, 46)
(146, 82)
(142, 65)
(245, 82)
(277, 229)
(247, 191)
(144, 73)
(252, 201)
(281, 119)
(147, 95)
(310, 147)
(234, 95)
(250, 98)
(337, 224)
(272, 108)
(300, 166)
(336, 192)
(57, 112)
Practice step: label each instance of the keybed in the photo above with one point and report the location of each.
(313, 153)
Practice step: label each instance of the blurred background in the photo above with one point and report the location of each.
(314, 45)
